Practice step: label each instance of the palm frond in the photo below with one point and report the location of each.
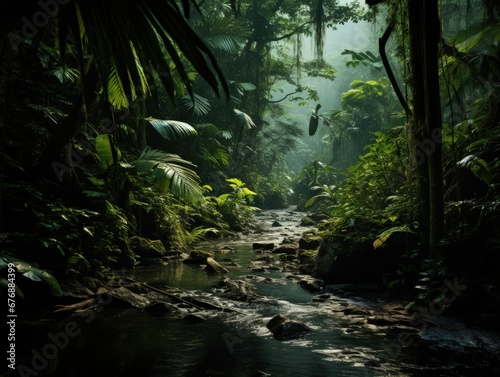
(170, 173)
(227, 34)
(198, 104)
(134, 35)
(172, 129)
(244, 120)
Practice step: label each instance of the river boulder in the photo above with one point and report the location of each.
(146, 247)
(289, 249)
(310, 242)
(237, 290)
(350, 256)
(199, 257)
(284, 328)
(214, 267)
(263, 246)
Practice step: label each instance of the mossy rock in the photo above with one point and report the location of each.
(307, 221)
(195, 254)
(344, 260)
(310, 242)
(147, 248)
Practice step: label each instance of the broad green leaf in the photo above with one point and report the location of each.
(248, 192)
(172, 129)
(104, 151)
(384, 236)
(32, 275)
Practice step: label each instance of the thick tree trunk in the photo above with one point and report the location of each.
(425, 34)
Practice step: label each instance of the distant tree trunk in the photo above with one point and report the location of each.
(425, 34)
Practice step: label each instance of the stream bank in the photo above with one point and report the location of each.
(178, 319)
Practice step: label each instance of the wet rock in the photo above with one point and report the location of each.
(287, 240)
(307, 221)
(263, 246)
(274, 268)
(160, 308)
(372, 364)
(310, 242)
(124, 298)
(258, 269)
(214, 267)
(387, 321)
(194, 318)
(276, 224)
(237, 290)
(312, 285)
(357, 288)
(283, 328)
(147, 248)
(344, 259)
(200, 255)
(289, 249)
(357, 311)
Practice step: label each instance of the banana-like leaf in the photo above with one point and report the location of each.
(172, 129)
(170, 173)
(104, 151)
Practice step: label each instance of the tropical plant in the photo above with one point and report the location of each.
(235, 206)
(27, 270)
(169, 173)
(122, 54)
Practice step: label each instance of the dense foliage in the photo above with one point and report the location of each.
(125, 123)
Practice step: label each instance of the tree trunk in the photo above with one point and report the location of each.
(425, 35)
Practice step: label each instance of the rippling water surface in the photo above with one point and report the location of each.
(134, 343)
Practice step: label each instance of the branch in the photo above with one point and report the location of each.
(381, 43)
(284, 98)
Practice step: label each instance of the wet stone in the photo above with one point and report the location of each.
(283, 328)
(263, 246)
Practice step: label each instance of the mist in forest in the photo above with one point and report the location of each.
(359, 37)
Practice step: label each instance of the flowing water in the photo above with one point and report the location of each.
(233, 343)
